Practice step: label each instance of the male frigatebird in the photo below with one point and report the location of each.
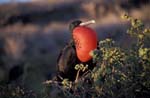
(77, 51)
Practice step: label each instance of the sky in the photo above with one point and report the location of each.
(8, 1)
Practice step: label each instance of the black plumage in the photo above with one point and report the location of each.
(66, 62)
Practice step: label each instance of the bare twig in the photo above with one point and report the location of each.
(77, 76)
(51, 82)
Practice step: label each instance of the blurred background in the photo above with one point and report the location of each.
(32, 33)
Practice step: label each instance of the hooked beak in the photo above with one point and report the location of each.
(87, 23)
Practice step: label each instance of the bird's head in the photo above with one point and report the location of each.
(74, 24)
(85, 39)
(78, 23)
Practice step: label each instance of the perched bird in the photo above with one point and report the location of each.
(83, 41)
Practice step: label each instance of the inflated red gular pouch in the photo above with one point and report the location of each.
(85, 41)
